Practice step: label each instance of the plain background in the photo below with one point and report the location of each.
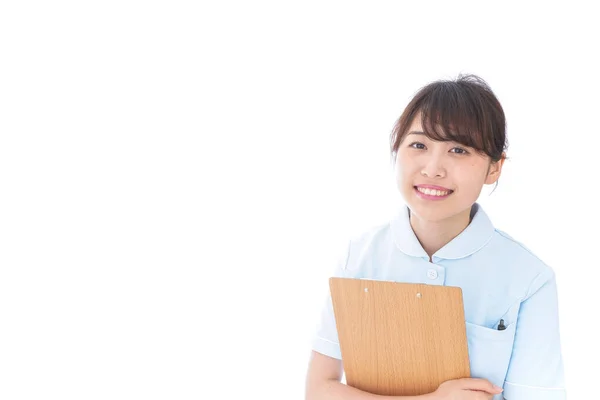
(177, 179)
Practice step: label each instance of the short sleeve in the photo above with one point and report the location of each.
(325, 340)
(536, 370)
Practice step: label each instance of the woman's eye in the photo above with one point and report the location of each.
(459, 150)
(417, 145)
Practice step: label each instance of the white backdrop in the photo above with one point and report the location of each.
(177, 180)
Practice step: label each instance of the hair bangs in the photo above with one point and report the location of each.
(448, 115)
(464, 111)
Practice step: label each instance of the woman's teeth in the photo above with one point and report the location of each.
(433, 192)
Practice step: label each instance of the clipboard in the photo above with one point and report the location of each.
(399, 339)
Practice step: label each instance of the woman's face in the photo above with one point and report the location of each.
(439, 180)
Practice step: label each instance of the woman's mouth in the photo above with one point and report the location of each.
(432, 193)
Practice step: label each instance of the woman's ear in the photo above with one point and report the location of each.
(495, 170)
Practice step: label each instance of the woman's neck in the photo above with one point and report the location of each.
(433, 235)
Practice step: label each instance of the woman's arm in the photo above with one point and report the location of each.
(325, 373)
(323, 382)
(536, 368)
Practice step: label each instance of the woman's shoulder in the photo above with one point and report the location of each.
(524, 260)
(517, 247)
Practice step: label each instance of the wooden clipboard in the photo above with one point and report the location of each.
(399, 339)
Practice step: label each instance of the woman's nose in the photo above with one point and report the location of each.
(433, 168)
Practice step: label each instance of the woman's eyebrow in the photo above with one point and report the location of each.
(415, 133)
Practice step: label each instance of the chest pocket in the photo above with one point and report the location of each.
(489, 352)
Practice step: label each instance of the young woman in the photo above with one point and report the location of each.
(449, 142)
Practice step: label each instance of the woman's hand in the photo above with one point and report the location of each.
(466, 389)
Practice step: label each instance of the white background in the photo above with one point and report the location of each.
(177, 180)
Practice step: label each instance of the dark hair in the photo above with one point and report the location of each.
(464, 110)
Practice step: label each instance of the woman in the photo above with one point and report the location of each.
(449, 142)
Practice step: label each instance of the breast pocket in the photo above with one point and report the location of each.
(489, 352)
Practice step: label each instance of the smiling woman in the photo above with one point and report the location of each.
(446, 169)
(448, 143)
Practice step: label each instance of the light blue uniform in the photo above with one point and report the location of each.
(500, 279)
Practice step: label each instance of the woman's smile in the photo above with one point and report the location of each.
(430, 192)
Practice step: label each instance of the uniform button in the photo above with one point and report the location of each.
(432, 274)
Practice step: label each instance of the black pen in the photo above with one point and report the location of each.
(501, 326)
